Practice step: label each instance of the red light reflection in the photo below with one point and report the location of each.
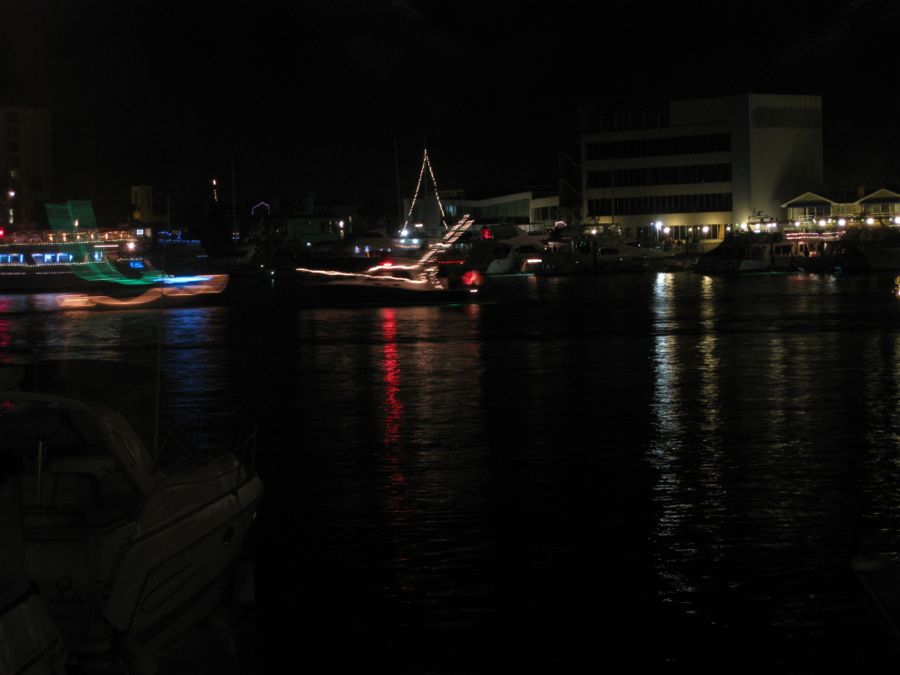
(393, 413)
(393, 406)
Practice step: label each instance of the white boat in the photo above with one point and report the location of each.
(498, 249)
(383, 283)
(128, 535)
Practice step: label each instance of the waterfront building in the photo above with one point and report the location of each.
(25, 165)
(810, 210)
(691, 170)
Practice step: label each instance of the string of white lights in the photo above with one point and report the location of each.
(426, 162)
(436, 194)
(416, 194)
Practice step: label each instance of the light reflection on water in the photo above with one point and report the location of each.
(693, 460)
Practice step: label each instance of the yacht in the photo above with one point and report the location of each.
(748, 252)
(128, 533)
(495, 250)
(384, 283)
(579, 253)
(64, 261)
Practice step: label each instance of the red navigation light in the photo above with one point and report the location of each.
(2, 232)
(486, 233)
(387, 263)
(472, 278)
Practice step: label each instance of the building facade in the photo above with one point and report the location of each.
(694, 169)
(25, 165)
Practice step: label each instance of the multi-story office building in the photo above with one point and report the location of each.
(693, 169)
(25, 165)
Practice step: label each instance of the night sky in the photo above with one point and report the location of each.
(309, 96)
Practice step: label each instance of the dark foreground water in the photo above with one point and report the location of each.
(589, 474)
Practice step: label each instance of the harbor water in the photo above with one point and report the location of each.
(655, 470)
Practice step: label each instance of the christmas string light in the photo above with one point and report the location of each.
(425, 162)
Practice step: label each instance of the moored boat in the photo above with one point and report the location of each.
(494, 250)
(128, 534)
(748, 252)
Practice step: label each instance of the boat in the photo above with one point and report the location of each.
(65, 261)
(170, 292)
(177, 256)
(740, 252)
(129, 534)
(568, 251)
(494, 250)
(385, 283)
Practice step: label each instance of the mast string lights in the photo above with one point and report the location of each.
(426, 162)
(437, 196)
(416, 194)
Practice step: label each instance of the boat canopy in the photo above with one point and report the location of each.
(127, 388)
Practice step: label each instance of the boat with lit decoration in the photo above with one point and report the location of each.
(55, 261)
(750, 252)
(129, 535)
(385, 283)
(170, 291)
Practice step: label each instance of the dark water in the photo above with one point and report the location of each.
(670, 470)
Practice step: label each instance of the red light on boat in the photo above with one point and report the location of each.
(387, 263)
(486, 233)
(472, 278)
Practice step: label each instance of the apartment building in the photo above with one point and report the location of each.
(25, 165)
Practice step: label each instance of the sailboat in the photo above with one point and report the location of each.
(403, 279)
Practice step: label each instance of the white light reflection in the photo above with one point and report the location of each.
(685, 448)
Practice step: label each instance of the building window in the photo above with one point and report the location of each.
(652, 147)
(652, 205)
(660, 175)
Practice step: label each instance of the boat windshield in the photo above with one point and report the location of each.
(65, 432)
(129, 389)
